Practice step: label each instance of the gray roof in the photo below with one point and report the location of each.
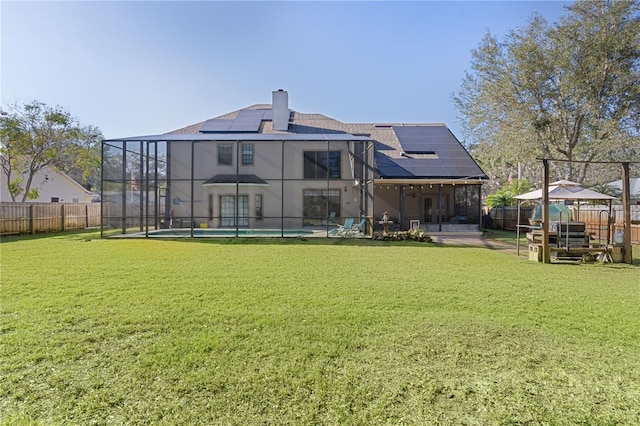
(233, 179)
(402, 151)
(188, 137)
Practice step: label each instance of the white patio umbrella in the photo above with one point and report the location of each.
(566, 190)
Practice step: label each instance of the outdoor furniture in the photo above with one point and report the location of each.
(358, 229)
(341, 230)
(331, 220)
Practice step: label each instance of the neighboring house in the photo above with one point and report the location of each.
(53, 186)
(634, 187)
(267, 166)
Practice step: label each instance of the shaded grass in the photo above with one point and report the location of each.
(311, 332)
(506, 236)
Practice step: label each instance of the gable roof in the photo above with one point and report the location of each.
(402, 151)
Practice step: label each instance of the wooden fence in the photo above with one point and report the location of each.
(595, 217)
(507, 217)
(31, 218)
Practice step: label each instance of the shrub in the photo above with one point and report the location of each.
(417, 234)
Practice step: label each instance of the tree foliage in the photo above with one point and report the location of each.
(505, 196)
(35, 135)
(568, 91)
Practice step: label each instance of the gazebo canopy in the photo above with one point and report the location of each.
(566, 190)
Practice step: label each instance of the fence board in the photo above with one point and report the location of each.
(595, 218)
(31, 218)
(506, 218)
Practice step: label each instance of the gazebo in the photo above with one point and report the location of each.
(563, 190)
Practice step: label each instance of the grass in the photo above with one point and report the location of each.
(506, 236)
(311, 332)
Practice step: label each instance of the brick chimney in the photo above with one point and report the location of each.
(280, 107)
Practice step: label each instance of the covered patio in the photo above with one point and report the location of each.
(436, 206)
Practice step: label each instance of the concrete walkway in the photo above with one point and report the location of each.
(479, 241)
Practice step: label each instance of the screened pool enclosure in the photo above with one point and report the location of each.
(284, 184)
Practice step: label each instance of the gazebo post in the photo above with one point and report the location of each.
(518, 230)
(626, 197)
(546, 255)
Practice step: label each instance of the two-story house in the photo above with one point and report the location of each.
(268, 167)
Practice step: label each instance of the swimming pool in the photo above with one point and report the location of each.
(217, 232)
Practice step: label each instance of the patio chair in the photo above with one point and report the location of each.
(331, 220)
(342, 230)
(358, 228)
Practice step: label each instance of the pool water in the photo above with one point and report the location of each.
(209, 232)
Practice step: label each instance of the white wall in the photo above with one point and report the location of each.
(51, 183)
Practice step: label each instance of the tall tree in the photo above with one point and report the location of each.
(567, 91)
(35, 135)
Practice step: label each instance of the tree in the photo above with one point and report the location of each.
(82, 161)
(35, 135)
(505, 196)
(569, 91)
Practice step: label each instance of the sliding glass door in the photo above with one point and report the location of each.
(228, 211)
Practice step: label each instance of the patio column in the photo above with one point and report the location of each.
(440, 208)
(401, 218)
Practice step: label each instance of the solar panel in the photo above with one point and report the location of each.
(215, 125)
(246, 121)
(437, 153)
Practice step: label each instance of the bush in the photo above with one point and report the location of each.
(417, 234)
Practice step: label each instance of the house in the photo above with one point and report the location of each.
(266, 166)
(53, 185)
(634, 188)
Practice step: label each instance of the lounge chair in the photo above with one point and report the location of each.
(358, 228)
(342, 230)
(331, 220)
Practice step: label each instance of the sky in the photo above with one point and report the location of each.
(149, 67)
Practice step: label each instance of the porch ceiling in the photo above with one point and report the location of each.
(431, 181)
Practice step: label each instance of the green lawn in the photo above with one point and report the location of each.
(180, 332)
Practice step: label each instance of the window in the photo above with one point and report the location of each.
(225, 154)
(259, 207)
(247, 154)
(322, 164)
(358, 160)
(210, 206)
(318, 204)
